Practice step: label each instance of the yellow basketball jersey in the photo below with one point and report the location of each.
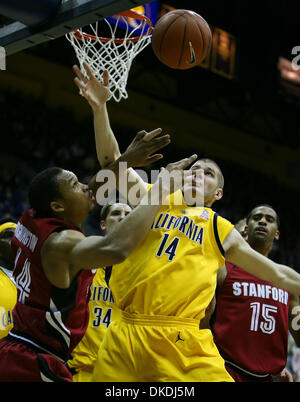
(102, 312)
(8, 299)
(173, 272)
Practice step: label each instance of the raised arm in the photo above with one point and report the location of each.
(139, 153)
(97, 94)
(239, 252)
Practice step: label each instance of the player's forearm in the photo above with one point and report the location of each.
(96, 251)
(107, 147)
(239, 253)
(279, 275)
(129, 233)
(289, 279)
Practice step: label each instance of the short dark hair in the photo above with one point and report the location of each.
(44, 189)
(263, 205)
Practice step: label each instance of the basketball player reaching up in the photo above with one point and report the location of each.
(54, 265)
(252, 316)
(102, 307)
(8, 291)
(166, 284)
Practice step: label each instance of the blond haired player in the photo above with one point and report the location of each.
(8, 290)
(164, 287)
(101, 305)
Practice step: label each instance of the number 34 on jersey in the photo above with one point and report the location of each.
(102, 312)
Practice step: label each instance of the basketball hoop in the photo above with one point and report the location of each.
(113, 53)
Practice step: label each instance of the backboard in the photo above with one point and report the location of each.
(16, 36)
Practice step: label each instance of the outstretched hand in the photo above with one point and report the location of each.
(95, 92)
(172, 177)
(140, 151)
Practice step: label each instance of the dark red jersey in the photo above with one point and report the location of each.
(251, 327)
(45, 316)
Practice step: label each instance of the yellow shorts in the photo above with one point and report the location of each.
(142, 348)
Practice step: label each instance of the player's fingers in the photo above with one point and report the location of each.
(189, 161)
(105, 77)
(183, 163)
(141, 134)
(154, 158)
(79, 83)
(155, 142)
(161, 139)
(159, 143)
(88, 70)
(148, 137)
(79, 74)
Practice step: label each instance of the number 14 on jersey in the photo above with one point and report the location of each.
(168, 248)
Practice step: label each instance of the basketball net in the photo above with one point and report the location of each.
(112, 53)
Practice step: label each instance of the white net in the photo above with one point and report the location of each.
(112, 54)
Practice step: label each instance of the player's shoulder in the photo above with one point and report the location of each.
(220, 220)
(62, 241)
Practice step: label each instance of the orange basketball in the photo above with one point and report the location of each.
(181, 39)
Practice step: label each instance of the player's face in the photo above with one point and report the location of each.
(262, 225)
(204, 184)
(77, 200)
(117, 213)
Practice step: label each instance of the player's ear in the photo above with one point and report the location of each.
(245, 231)
(219, 193)
(102, 225)
(57, 207)
(277, 233)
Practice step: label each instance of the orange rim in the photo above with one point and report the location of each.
(128, 14)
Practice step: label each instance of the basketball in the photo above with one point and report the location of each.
(181, 39)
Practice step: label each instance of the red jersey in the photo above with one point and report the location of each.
(251, 327)
(45, 316)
